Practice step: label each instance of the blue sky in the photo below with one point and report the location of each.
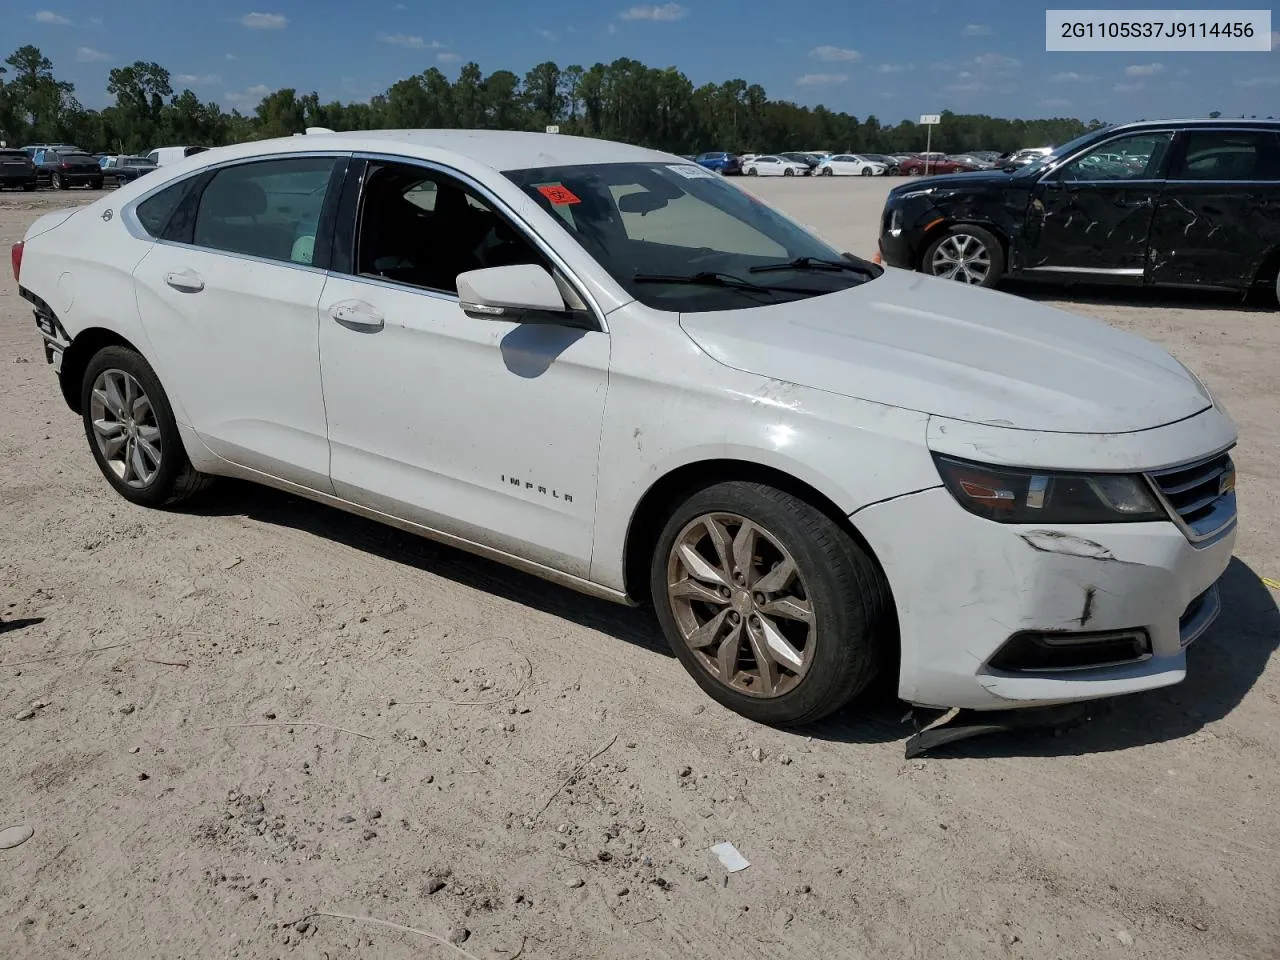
(891, 58)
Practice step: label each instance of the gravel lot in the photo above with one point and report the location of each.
(244, 718)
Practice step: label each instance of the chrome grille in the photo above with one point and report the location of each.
(1200, 496)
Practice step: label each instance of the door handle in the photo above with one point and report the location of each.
(356, 315)
(187, 281)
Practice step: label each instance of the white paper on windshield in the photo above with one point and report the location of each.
(691, 171)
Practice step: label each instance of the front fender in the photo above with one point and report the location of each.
(693, 409)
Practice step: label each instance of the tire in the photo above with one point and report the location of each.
(847, 600)
(828, 172)
(56, 182)
(172, 479)
(867, 171)
(97, 184)
(752, 172)
(788, 172)
(953, 256)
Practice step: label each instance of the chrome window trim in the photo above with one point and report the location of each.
(1170, 129)
(499, 204)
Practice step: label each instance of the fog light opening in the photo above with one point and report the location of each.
(1041, 652)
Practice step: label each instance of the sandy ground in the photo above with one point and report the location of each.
(258, 712)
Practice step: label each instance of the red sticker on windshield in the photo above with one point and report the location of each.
(557, 194)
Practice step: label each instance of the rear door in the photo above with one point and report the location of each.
(1092, 216)
(229, 299)
(1219, 216)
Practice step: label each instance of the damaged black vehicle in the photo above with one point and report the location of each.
(1179, 203)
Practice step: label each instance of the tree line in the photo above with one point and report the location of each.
(623, 100)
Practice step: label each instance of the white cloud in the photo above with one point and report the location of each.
(197, 79)
(448, 57)
(547, 34)
(1055, 102)
(1143, 69)
(964, 75)
(247, 98)
(399, 6)
(407, 40)
(612, 29)
(96, 21)
(821, 79)
(1129, 87)
(1259, 82)
(976, 30)
(972, 87)
(264, 21)
(996, 61)
(895, 67)
(1070, 76)
(232, 56)
(90, 55)
(835, 54)
(48, 16)
(668, 11)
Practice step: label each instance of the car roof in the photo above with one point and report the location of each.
(496, 150)
(1199, 122)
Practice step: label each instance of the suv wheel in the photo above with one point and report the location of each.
(132, 432)
(967, 254)
(772, 607)
(57, 182)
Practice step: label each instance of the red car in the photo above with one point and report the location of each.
(916, 166)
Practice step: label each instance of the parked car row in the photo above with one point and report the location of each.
(60, 166)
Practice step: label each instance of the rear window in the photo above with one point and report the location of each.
(78, 158)
(13, 155)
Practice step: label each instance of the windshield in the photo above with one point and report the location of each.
(678, 237)
(1059, 152)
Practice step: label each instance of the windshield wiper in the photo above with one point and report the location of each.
(811, 263)
(711, 278)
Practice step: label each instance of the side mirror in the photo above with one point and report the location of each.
(522, 293)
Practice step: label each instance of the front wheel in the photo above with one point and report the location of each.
(967, 254)
(867, 171)
(752, 172)
(132, 431)
(57, 182)
(772, 607)
(788, 172)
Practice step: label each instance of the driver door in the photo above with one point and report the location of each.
(486, 430)
(1093, 215)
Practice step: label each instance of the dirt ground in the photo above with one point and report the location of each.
(245, 718)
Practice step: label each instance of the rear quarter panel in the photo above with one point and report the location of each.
(82, 264)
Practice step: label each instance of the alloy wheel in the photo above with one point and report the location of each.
(125, 427)
(961, 257)
(741, 605)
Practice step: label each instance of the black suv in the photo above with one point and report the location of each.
(16, 170)
(1170, 203)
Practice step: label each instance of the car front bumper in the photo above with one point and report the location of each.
(965, 586)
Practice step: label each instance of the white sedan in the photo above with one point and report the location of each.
(850, 165)
(608, 367)
(770, 166)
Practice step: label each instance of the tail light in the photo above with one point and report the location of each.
(64, 165)
(15, 257)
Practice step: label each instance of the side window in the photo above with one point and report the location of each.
(154, 156)
(1226, 155)
(1139, 157)
(269, 208)
(155, 212)
(422, 228)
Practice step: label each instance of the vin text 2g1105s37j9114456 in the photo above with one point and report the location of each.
(610, 367)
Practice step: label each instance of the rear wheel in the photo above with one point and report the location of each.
(967, 254)
(57, 182)
(828, 172)
(772, 607)
(132, 431)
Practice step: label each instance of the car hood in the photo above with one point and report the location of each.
(974, 179)
(940, 347)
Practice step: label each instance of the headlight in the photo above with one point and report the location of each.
(915, 193)
(1010, 495)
